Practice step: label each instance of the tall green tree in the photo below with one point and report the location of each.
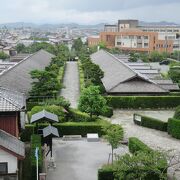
(114, 134)
(155, 56)
(77, 44)
(91, 101)
(45, 84)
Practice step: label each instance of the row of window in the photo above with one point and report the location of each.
(161, 30)
(133, 37)
(139, 45)
(163, 46)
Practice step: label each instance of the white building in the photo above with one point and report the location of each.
(165, 33)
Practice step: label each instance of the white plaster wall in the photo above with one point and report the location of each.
(10, 159)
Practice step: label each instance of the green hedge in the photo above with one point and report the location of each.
(174, 127)
(81, 76)
(136, 145)
(106, 173)
(136, 102)
(151, 123)
(70, 128)
(78, 116)
(177, 113)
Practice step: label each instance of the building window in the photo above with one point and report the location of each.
(4, 168)
(145, 37)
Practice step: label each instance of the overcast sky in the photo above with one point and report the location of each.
(88, 11)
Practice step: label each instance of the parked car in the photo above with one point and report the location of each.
(164, 62)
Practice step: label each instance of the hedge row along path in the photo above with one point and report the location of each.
(71, 83)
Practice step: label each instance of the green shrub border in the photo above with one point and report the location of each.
(143, 102)
(151, 123)
(69, 128)
(136, 145)
(174, 127)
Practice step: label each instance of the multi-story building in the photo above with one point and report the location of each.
(165, 33)
(128, 35)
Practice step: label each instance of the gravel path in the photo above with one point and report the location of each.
(154, 138)
(71, 83)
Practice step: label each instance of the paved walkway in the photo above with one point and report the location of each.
(71, 83)
(80, 160)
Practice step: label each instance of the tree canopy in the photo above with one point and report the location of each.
(91, 101)
(114, 134)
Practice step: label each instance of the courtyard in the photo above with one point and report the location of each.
(80, 160)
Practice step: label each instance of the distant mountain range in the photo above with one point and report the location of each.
(161, 23)
(49, 26)
(75, 25)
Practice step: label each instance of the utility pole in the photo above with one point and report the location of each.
(37, 157)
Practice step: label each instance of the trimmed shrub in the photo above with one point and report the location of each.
(106, 173)
(78, 116)
(136, 145)
(69, 128)
(174, 127)
(136, 102)
(177, 113)
(151, 123)
(108, 112)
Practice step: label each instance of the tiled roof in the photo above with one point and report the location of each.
(19, 78)
(119, 77)
(44, 115)
(12, 144)
(11, 100)
(50, 130)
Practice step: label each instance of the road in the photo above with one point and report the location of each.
(71, 83)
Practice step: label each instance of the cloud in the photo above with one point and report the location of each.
(88, 11)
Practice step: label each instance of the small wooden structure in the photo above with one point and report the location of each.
(44, 116)
(48, 133)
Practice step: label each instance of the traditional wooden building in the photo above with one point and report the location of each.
(12, 118)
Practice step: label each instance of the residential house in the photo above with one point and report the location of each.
(12, 118)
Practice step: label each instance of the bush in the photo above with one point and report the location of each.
(142, 165)
(27, 132)
(174, 127)
(151, 123)
(108, 112)
(78, 116)
(81, 76)
(143, 101)
(106, 173)
(58, 110)
(177, 113)
(136, 145)
(69, 128)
